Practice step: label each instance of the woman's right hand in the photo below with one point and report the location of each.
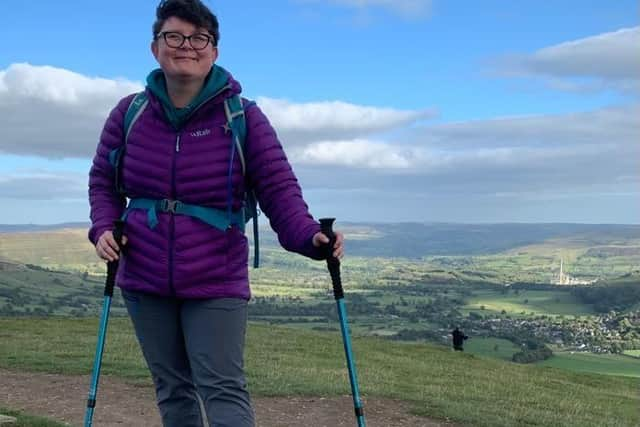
(107, 248)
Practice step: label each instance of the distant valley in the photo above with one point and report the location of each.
(410, 282)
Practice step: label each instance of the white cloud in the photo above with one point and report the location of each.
(611, 59)
(3, 85)
(517, 154)
(44, 185)
(336, 120)
(357, 153)
(62, 87)
(55, 113)
(599, 127)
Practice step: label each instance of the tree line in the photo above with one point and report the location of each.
(606, 298)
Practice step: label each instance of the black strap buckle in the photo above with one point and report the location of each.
(169, 206)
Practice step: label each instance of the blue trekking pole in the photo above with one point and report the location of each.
(112, 268)
(333, 263)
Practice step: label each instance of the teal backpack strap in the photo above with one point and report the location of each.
(135, 110)
(116, 156)
(234, 110)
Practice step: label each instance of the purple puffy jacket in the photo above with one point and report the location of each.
(183, 256)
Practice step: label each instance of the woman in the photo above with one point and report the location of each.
(184, 281)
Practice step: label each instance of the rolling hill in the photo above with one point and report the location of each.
(67, 243)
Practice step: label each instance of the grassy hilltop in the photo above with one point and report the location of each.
(406, 286)
(464, 388)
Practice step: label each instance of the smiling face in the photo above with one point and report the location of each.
(184, 62)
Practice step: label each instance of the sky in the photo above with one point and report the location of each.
(389, 110)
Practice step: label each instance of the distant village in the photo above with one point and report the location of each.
(607, 333)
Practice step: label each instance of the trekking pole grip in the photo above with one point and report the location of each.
(333, 263)
(112, 266)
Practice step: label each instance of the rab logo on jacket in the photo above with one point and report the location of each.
(203, 132)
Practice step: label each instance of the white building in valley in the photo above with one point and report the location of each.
(564, 279)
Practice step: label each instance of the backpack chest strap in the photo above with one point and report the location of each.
(218, 218)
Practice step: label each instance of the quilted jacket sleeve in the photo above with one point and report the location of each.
(106, 204)
(277, 188)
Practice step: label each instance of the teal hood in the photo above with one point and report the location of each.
(216, 80)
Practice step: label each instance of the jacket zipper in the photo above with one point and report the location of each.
(173, 192)
(172, 217)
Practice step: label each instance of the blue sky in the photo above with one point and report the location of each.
(411, 110)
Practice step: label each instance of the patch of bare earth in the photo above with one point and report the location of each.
(64, 398)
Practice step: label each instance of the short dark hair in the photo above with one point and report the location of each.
(192, 11)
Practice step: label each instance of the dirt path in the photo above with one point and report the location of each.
(64, 398)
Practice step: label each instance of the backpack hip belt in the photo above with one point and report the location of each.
(218, 218)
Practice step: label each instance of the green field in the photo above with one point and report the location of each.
(64, 249)
(550, 303)
(610, 364)
(491, 347)
(437, 382)
(632, 353)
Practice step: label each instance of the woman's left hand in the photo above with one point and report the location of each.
(320, 239)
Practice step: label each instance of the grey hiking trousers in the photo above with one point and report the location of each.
(194, 350)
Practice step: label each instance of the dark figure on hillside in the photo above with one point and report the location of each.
(458, 339)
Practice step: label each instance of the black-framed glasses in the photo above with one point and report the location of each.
(198, 41)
